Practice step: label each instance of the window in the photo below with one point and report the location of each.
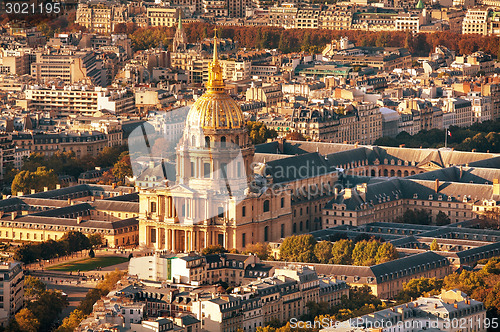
(282, 202)
(223, 142)
(152, 235)
(282, 235)
(220, 212)
(206, 170)
(223, 169)
(266, 234)
(153, 207)
(207, 141)
(244, 211)
(238, 168)
(266, 205)
(243, 240)
(192, 169)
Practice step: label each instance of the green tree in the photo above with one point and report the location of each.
(71, 322)
(418, 287)
(442, 219)
(323, 252)
(213, 249)
(342, 252)
(27, 321)
(48, 307)
(259, 133)
(262, 250)
(434, 245)
(33, 287)
(95, 239)
(386, 252)
(75, 241)
(24, 181)
(298, 248)
(364, 253)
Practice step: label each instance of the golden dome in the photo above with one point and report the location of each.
(215, 109)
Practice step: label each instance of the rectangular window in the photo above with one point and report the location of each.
(244, 211)
(153, 235)
(153, 207)
(282, 231)
(206, 170)
(243, 239)
(192, 170)
(220, 212)
(238, 164)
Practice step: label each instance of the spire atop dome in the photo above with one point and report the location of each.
(215, 82)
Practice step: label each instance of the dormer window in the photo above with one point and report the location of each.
(430, 197)
(415, 196)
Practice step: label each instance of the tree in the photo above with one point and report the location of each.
(33, 287)
(95, 239)
(75, 241)
(27, 321)
(70, 323)
(295, 136)
(386, 252)
(123, 168)
(48, 307)
(24, 181)
(418, 287)
(298, 248)
(262, 250)
(342, 252)
(364, 253)
(323, 252)
(259, 133)
(434, 245)
(442, 219)
(213, 249)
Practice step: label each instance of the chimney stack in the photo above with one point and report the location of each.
(45, 188)
(13, 215)
(79, 220)
(32, 191)
(436, 186)
(58, 186)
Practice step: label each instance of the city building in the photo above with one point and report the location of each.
(12, 286)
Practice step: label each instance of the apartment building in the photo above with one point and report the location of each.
(269, 93)
(101, 17)
(163, 16)
(412, 21)
(308, 18)
(336, 17)
(79, 100)
(69, 67)
(283, 16)
(476, 21)
(12, 290)
(462, 109)
(215, 8)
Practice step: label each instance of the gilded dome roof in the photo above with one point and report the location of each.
(215, 109)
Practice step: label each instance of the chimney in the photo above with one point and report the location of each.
(436, 186)
(69, 201)
(102, 196)
(92, 198)
(13, 215)
(58, 186)
(435, 305)
(1, 213)
(20, 193)
(347, 193)
(461, 172)
(455, 306)
(496, 187)
(113, 185)
(79, 220)
(45, 188)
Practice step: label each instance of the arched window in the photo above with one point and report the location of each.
(266, 234)
(300, 226)
(193, 140)
(223, 142)
(237, 140)
(266, 205)
(207, 141)
(294, 227)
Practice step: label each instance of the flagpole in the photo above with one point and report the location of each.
(445, 138)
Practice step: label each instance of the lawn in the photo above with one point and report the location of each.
(88, 264)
